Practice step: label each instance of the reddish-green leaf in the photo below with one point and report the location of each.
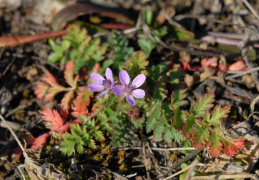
(69, 75)
(203, 103)
(41, 91)
(137, 64)
(200, 137)
(214, 144)
(217, 114)
(82, 102)
(50, 79)
(189, 126)
(66, 100)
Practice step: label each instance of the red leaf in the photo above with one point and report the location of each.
(39, 141)
(187, 67)
(50, 79)
(66, 100)
(232, 146)
(238, 66)
(52, 116)
(41, 91)
(199, 140)
(210, 62)
(46, 92)
(96, 67)
(215, 143)
(69, 75)
(82, 102)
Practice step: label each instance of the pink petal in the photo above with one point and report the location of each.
(96, 77)
(130, 100)
(138, 81)
(124, 78)
(103, 93)
(118, 90)
(138, 93)
(109, 75)
(95, 87)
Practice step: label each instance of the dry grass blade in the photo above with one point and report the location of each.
(191, 166)
(15, 137)
(236, 176)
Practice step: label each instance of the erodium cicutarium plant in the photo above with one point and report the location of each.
(124, 88)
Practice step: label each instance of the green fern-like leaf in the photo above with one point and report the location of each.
(75, 35)
(146, 46)
(203, 103)
(97, 134)
(178, 98)
(160, 127)
(172, 134)
(156, 71)
(175, 76)
(189, 126)
(67, 147)
(79, 47)
(154, 114)
(69, 143)
(121, 51)
(160, 93)
(179, 118)
(81, 136)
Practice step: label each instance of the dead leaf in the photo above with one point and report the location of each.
(72, 12)
(248, 81)
(38, 171)
(208, 72)
(42, 12)
(188, 79)
(164, 13)
(185, 57)
(10, 5)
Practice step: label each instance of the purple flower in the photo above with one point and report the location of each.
(128, 89)
(101, 83)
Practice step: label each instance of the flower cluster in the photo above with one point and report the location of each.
(123, 88)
